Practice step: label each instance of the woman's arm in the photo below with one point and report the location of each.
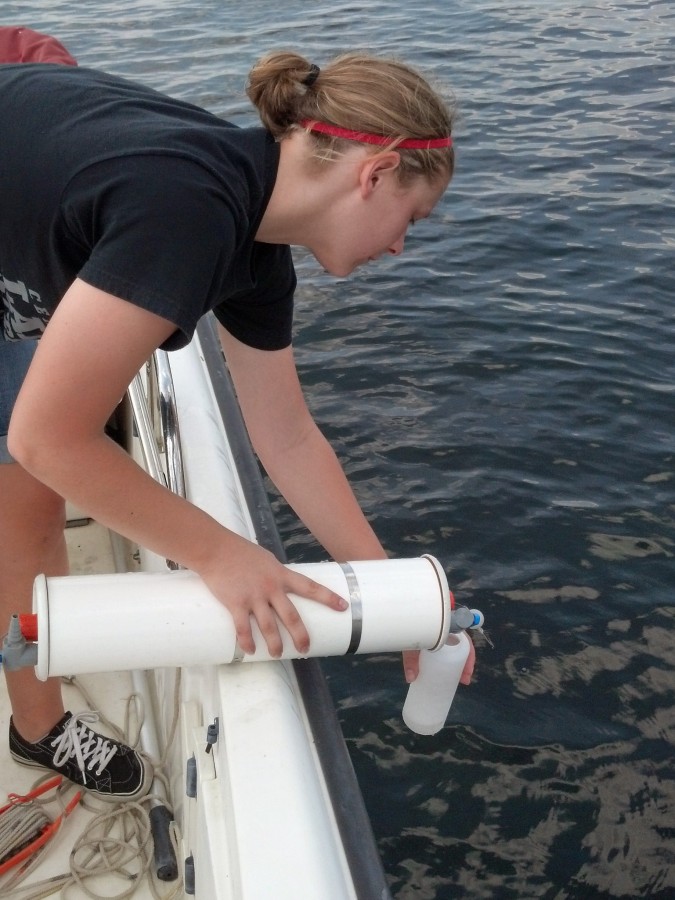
(295, 454)
(92, 348)
(300, 461)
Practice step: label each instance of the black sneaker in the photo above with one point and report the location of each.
(108, 769)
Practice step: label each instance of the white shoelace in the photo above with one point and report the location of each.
(88, 748)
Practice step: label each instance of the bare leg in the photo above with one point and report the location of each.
(32, 519)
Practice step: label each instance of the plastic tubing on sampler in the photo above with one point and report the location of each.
(102, 623)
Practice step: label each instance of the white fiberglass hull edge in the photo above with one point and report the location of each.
(259, 822)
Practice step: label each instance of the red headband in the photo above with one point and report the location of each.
(364, 137)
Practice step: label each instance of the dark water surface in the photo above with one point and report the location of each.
(503, 397)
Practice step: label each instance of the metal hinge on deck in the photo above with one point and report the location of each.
(189, 875)
(191, 777)
(212, 734)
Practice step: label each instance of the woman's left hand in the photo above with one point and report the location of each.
(411, 664)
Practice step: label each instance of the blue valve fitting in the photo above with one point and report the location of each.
(462, 619)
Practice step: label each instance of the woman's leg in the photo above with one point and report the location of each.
(32, 542)
(32, 520)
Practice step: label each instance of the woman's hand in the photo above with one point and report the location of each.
(411, 664)
(251, 582)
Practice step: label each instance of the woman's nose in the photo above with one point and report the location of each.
(397, 247)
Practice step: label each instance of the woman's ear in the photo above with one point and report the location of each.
(376, 168)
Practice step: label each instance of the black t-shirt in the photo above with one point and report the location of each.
(148, 198)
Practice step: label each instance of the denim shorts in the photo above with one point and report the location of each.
(15, 358)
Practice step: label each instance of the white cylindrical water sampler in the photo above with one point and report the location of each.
(106, 623)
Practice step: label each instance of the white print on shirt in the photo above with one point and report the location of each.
(21, 313)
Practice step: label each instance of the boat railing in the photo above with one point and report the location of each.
(153, 403)
(351, 816)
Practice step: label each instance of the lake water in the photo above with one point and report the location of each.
(503, 397)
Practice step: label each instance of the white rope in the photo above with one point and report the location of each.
(117, 842)
(19, 825)
(10, 887)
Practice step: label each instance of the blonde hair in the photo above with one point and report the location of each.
(358, 92)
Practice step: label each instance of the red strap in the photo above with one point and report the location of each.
(380, 140)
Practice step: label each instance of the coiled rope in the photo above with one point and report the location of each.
(115, 844)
